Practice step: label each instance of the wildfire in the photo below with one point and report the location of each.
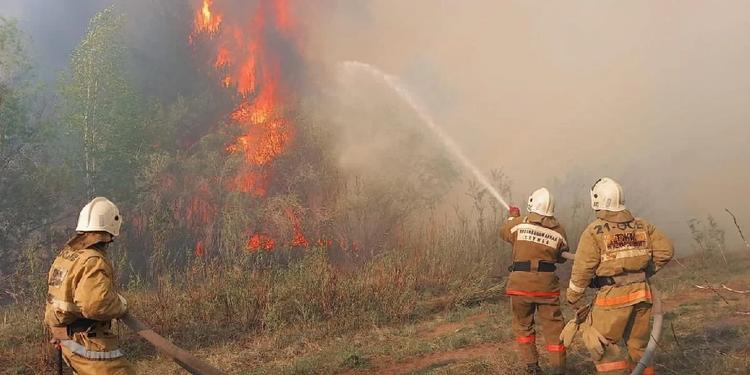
(206, 20)
(260, 241)
(200, 249)
(250, 66)
(299, 237)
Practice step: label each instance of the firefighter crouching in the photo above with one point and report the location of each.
(82, 300)
(617, 253)
(538, 241)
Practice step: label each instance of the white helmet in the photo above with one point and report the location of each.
(542, 203)
(606, 194)
(100, 215)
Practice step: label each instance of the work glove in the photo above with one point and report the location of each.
(594, 341)
(571, 328)
(572, 297)
(514, 211)
(569, 332)
(582, 313)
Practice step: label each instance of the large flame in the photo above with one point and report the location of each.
(206, 20)
(249, 65)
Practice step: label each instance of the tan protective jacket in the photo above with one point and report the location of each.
(80, 286)
(534, 238)
(616, 244)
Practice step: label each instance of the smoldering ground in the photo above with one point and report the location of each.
(652, 94)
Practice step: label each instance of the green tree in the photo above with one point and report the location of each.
(29, 181)
(12, 66)
(103, 116)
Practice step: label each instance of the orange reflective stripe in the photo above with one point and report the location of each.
(618, 300)
(556, 348)
(512, 292)
(648, 371)
(526, 339)
(612, 366)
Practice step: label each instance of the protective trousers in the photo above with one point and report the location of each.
(95, 355)
(545, 310)
(628, 323)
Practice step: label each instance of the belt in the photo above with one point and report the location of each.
(543, 266)
(81, 325)
(619, 280)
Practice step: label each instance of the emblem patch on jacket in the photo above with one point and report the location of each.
(537, 234)
(626, 241)
(56, 277)
(625, 245)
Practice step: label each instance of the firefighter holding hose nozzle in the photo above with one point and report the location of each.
(538, 241)
(82, 300)
(617, 253)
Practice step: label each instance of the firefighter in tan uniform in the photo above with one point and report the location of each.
(82, 300)
(617, 253)
(538, 241)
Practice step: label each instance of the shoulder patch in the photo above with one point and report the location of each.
(56, 277)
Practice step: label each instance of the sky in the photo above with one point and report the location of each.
(54, 26)
(653, 94)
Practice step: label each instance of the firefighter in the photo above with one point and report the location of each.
(617, 254)
(82, 301)
(538, 241)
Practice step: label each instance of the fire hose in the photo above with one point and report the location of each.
(183, 358)
(656, 328)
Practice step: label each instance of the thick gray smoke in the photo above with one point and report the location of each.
(54, 27)
(652, 94)
(557, 94)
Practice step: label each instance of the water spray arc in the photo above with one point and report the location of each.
(396, 85)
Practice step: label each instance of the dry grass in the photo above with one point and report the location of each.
(423, 310)
(225, 303)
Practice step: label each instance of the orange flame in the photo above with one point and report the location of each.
(260, 241)
(299, 239)
(206, 20)
(249, 65)
(200, 249)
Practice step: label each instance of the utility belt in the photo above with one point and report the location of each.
(78, 325)
(543, 266)
(83, 325)
(619, 280)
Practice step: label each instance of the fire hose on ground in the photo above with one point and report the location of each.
(656, 328)
(183, 358)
